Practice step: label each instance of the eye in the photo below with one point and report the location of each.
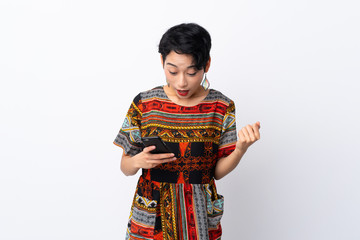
(192, 74)
(172, 73)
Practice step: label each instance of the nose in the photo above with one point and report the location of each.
(182, 81)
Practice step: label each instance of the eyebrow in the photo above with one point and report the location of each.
(192, 66)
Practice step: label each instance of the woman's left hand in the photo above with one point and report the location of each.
(247, 136)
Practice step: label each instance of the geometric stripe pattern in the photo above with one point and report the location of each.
(186, 211)
(152, 113)
(179, 200)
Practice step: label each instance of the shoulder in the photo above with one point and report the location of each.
(148, 94)
(151, 93)
(216, 95)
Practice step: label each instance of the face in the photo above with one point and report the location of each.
(182, 76)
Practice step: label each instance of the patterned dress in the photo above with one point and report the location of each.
(179, 200)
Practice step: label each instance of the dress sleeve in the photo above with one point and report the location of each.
(129, 136)
(228, 136)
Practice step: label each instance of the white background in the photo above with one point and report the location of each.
(69, 70)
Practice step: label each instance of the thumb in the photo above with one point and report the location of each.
(258, 123)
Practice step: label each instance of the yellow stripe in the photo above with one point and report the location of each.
(137, 109)
(173, 210)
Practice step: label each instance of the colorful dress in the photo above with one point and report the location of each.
(179, 200)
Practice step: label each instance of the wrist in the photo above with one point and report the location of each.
(129, 165)
(240, 151)
(135, 163)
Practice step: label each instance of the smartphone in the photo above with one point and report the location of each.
(158, 143)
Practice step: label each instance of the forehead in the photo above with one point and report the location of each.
(179, 60)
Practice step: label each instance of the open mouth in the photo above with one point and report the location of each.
(182, 92)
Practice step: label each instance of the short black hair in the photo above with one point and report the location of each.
(187, 38)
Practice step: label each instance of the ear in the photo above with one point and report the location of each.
(208, 65)
(162, 60)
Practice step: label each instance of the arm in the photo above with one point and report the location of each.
(131, 164)
(226, 164)
(127, 165)
(247, 136)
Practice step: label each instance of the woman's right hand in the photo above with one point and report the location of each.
(148, 160)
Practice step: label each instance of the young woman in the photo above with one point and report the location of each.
(176, 196)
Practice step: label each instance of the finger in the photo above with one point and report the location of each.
(156, 161)
(159, 156)
(148, 149)
(242, 136)
(256, 127)
(251, 132)
(246, 134)
(258, 124)
(169, 160)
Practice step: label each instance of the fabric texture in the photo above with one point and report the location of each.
(179, 199)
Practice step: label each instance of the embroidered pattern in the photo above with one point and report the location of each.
(178, 200)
